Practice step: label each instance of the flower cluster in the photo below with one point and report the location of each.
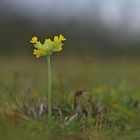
(48, 47)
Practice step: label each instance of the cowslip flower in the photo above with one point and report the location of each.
(48, 47)
(34, 40)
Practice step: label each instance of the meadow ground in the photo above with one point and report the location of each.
(113, 85)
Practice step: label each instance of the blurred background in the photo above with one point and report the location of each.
(93, 28)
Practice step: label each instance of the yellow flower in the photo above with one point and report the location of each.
(61, 38)
(43, 49)
(59, 49)
(34, 40)
(56, 39)
(37, 53)
(48, 40)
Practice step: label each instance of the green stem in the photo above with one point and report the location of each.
(49, 87)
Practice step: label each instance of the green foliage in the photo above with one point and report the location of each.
(113, 112)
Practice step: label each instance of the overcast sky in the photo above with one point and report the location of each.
(112, 13)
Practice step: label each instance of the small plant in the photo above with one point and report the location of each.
(47, 49)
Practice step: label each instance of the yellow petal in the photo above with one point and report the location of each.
(61, 37)
(37, 53)
(56, 39)
(42, 49)
(48, 40)
(34, 40)
(59, 49)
